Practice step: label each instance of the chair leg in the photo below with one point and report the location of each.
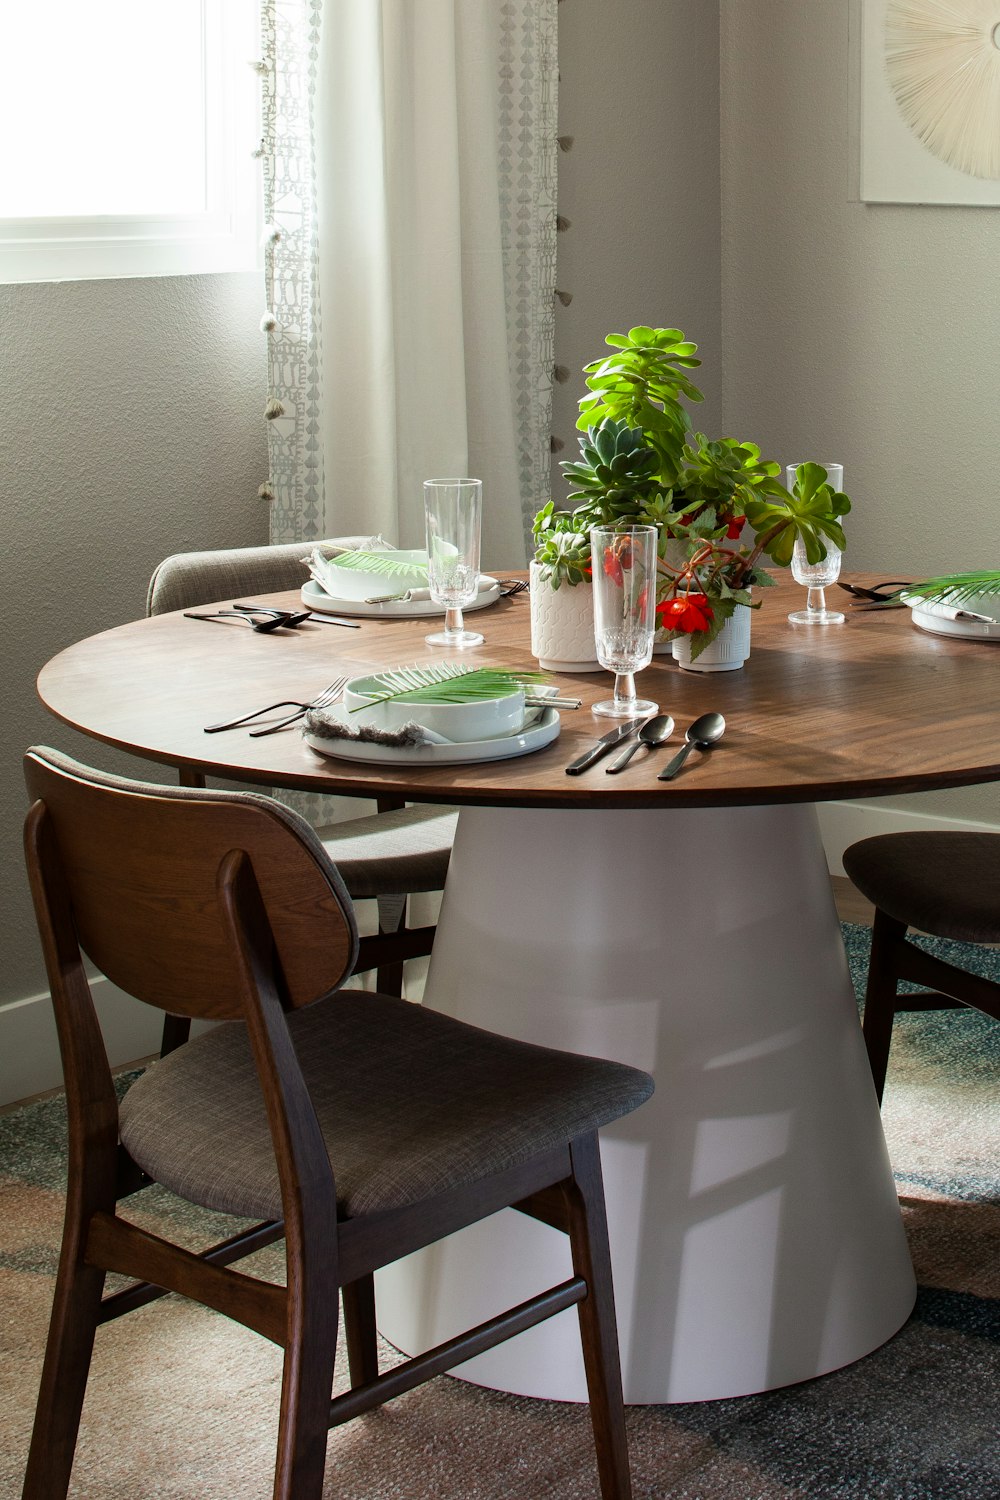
(880, 995)
(176, 1031)
(588, 1231)
(75, 1311)
(306, 1390)
(359, 1325)
(391, 917)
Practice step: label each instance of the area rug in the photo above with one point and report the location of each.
(182, 1404)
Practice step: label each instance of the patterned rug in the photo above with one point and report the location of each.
(182, 1404)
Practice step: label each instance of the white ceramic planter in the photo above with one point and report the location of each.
(726, 653)
(562, 625)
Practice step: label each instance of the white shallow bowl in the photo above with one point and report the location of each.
(487, 719)
(364, 583)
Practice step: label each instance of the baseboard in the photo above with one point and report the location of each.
(843, 823)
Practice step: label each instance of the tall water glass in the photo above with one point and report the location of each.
(624, 569)
(453, 515)
(817, 577)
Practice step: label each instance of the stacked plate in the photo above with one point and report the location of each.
(395, 587)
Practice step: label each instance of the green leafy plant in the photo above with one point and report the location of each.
(562, 551)
(641, 385)
(639, 465)
(446, 682)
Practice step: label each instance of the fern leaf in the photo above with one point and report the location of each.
(957, 588)
(376, 562)
(445, 682)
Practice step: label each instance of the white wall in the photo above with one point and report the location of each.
(132, 428)
(639, 94)
(867, 333)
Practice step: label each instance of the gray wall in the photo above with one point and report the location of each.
(639, 94)
(867, 333)
(132, 428)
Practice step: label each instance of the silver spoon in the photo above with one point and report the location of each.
(654, 732)
(262, 623)
(701, 735)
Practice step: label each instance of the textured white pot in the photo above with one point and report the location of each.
(562, 625)
(726, 653)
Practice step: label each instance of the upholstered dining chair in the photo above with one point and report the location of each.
(396, 853)
(366, 1126)
(945, 884)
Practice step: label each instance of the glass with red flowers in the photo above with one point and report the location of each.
(624, 572)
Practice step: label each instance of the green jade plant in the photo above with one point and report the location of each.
(640, 465)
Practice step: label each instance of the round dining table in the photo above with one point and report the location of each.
(685, 926)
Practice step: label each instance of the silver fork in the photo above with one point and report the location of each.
(326, 697)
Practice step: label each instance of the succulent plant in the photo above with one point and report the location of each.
(617, 470)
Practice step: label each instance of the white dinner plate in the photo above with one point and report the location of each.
(314, 597)
(535, 737)
(936, 619)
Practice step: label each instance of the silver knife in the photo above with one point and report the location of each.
(604, 745)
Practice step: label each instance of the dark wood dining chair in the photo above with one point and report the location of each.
(397, 853)
(945, 884)
(357, 1125)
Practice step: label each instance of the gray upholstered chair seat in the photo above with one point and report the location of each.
(392, 853)
(942, 883)
(410, 1103)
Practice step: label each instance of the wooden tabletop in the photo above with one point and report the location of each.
(864, 709)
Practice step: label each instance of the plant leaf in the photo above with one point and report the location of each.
(377, 562)
(446, 682)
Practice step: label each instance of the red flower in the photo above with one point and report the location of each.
(687, 613)
(612, 566)
(735, 527)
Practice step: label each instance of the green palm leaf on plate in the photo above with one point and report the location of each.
(377, 562)
(957, 588)
(445, 682)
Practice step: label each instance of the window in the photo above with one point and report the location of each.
(137, 124)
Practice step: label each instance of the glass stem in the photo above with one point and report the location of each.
(454, 624)
(816, 601)
(624, 687)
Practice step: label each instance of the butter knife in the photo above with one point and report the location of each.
(604, 746)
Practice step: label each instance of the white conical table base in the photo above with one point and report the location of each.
(755, 1230)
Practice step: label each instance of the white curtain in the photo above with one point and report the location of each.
(409, 164)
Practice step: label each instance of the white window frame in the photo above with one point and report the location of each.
(224, 237)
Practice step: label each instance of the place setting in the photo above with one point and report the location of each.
(444, 713)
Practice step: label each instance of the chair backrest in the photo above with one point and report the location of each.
(189, 579)
(136, 869)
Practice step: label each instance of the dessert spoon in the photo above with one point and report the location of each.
(655, 731)
(701, 735)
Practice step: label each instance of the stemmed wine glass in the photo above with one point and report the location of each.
(818, 576)
(453, 515)
(624, 570)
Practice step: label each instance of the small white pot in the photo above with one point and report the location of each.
(562, 625)
(726, 653)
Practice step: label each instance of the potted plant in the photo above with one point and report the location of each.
(639, 464)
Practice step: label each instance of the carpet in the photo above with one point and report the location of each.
(182, 1404)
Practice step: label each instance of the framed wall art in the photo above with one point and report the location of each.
(930, 101)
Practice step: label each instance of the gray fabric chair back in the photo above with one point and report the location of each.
(189, 579)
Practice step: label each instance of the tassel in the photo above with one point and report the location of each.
(560, 373)
(565, 142)
(257, 152)
(265, 492)
(562, 224)
(564, 297)
(273, 409)
(556, 445)
(260, 67)
(268, 323)
(271, 235)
